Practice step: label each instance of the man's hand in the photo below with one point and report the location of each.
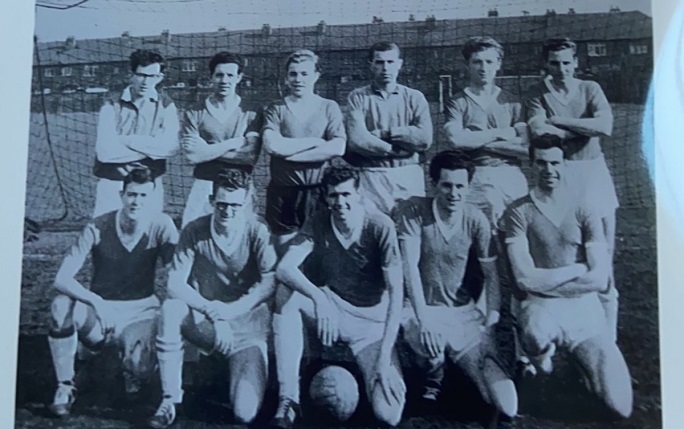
(223, 341)
(392, 386)
(327, 321)
(106, 314)
(192, 144)
(216, 311)
(432, 340)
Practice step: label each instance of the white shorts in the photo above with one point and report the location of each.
(461, 327)
(592, 182)
(495, 188)
(249, 330)
(108, 197)
(385, 186)
(360, 326)
(565, 321)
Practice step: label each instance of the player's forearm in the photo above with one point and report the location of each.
(292, 277)
(362, 141)
(541, 280)
(590, 127)
(394, 280)
(324, 152)
(276, 144)
(492, 288)
(208, 152)
(257, 295)
(158, 147)
(73, 289)
(412, 138)
(464, 139)
(513, 147)
(179, 289)
(414, 288)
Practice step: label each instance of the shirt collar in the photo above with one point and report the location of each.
(446, 230)
(127, 97)
(378, 91)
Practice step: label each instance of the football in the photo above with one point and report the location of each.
(334, 389)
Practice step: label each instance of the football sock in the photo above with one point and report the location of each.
(63, 350)
(289, 348)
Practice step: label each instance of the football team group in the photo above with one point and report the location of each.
(358, 254)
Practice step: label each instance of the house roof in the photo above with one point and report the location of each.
(453, 32)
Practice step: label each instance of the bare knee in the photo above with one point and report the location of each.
(387, 412)
(61, 310)
(174, 310)
(246, 402)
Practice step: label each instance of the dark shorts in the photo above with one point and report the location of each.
(287, 207)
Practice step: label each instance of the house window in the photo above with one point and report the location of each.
(189, 65)
(344, 79)
(49, 73)
(245, 62)
(638, 49)
(596, 49)
(445, 90)
(66, 71)
(89, 71)
(115, 70)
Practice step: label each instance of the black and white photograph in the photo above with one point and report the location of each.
(326, 214)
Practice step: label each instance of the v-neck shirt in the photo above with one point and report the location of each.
(467, 111)
(324, 122)
(444, 250)
(125, 273)
(204, 119)
(355, 273)
(586, 100)
(553, 243)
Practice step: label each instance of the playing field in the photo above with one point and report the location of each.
(554, 402)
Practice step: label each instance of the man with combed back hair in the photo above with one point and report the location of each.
(219, 287)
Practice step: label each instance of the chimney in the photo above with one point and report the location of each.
(431, 22)
(550, 12)
(322, 28)
(412, 18)
(222, 29)
(493, 13)
(526, 13)
(571, 11)
(165, 36)
(266, 30)
(614, 9)
(126, 34)
(70, 43)
(378, 20)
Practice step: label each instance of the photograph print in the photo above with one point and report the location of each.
(327, 215)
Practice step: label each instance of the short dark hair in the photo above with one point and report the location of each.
(451, 160)
(145, 57)
(226, 58)
(231, 179)
(140, 174)
(477, 44)
(545, 141)
(337, 175)
(301, 55)
(558, 44)
(383, 47)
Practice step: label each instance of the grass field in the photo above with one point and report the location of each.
(554, 402)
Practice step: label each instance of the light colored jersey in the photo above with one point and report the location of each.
(588, 101)
(553, 244)
(225, 271)
(354, 273)
(404, 107)
(203, 120)
(444, 253)
(466, 112)
(121, 273)
(324, 122)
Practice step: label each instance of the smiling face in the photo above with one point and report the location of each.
(228, 204)
(451, 189)
(561, 65)
(483, 66)
(385, 67)
(343, 199)
(301, 78)
(549, 167)
(145, 79)
(134, 199)
(225, 79)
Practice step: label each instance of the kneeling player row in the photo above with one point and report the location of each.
(343, 275)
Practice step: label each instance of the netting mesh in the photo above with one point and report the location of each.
(73, 79)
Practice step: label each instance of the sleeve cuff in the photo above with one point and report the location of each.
(489, 259)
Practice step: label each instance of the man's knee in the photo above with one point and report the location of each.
(173, 310)
(246, 402)
(388, 412)
(61, 310)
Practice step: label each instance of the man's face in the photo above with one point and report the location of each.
(343, 199)
(145, 79)
(483, 66)
(385, 67)
(452, 188)
(549, 166)
(225, 79)
(228, 204)
(301, 78)
(134, 199)
(561, 65)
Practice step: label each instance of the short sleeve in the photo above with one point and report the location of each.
(515, 225)
(185, 250)
(534, 106)
(389, 245)
(167, 238)
(335, 128)
(79, 251)
(271, 119)
(453, 113)
(355, 102)
(591, 226)
(482, 237)
(264, 250)
(255, 122)
(407, 219)
(308, 231)
(517, 113)
(598, 103)
(190, 122)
